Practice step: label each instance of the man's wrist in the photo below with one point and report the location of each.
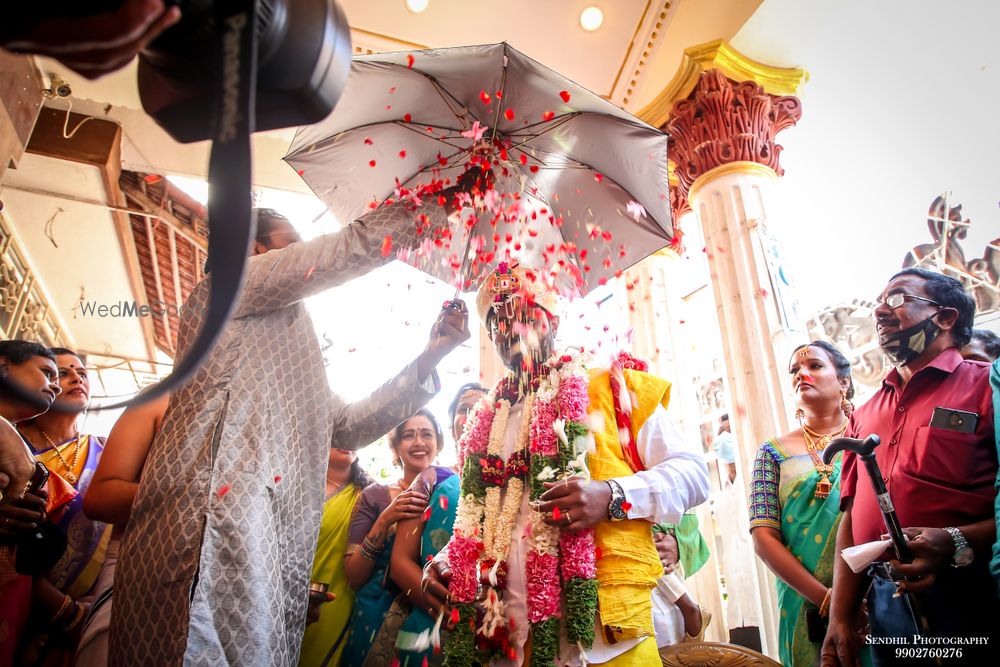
(617, 510)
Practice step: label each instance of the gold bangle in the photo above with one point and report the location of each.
(824, 608)
(62, 608)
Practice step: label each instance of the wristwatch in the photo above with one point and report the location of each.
(963, 552)
(615, 510)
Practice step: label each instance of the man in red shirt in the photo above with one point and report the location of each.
(934, 415)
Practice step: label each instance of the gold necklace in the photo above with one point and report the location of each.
(815, 444)
(69, 475)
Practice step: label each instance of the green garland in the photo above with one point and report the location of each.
(538, 464)
(580, 594)
(461, 641)
(545, 642)
(472, 477)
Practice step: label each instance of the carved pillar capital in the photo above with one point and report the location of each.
(726, 121)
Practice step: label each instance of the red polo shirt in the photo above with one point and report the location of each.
(936, 477)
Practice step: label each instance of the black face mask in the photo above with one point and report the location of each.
(904, 346)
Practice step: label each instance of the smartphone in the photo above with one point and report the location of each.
(954, 420)
(38, 480)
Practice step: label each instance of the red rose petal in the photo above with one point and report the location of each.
(409, 65)
(427, 514)
(387, 245)
(524, 158)
(402, 154)
(407, 118)
(301, 172)
(443, 502)
(509, 114)
(455, 616)
(485, 97)
(556, 514)
(598, 177)
(626, 506)
(548, 115)
(533, 169)
(223, 490)
(371, 163)
(368, 141)
(277, 479)
(564, 94)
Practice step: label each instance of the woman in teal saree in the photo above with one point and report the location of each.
(795, 500)
(418, 542)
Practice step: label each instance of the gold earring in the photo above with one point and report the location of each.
(845, 404)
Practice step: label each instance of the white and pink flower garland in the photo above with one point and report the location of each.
(551, 444)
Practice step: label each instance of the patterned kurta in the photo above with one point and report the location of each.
(216, 559)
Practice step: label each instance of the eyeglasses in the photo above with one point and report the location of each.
(894, 301)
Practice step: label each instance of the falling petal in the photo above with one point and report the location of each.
(548, 115)
(409, 61)
(368, 141)
(277, 479)
(223, 490)
(386, 244)
(485, 97)
(598, 177)
(564, 94)
(443, 501)
(509, 114)
(371, 163)
(407, 118)
(402, 154)
(636, 210)
(556, 513)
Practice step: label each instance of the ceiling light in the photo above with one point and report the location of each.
(591, 18)
(417, 6)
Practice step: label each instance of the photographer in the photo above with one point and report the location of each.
(22, 506)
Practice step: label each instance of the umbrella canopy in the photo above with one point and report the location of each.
(580, 187)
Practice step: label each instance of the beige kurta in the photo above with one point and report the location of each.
(216, 559)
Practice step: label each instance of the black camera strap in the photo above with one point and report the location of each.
(232, 226)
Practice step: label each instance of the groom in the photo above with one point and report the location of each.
(638, 471)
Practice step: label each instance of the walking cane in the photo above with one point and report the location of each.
(866, 450)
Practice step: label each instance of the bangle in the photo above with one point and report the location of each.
(78, 616)
(369, 550)
(62, 608)
(824, 608)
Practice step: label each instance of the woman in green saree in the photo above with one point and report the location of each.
(795, 500)
(323, 642)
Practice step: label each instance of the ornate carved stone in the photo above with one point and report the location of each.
(724, 121)
(981, 275)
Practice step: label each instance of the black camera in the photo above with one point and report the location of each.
(227, 69)
(303, 56)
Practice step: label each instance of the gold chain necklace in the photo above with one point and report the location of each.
(815, 444)
(70, 475)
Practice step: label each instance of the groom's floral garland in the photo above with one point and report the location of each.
(551, 445)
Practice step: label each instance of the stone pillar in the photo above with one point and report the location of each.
(723, 144)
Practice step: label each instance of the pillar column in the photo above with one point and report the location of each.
(723, 144)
